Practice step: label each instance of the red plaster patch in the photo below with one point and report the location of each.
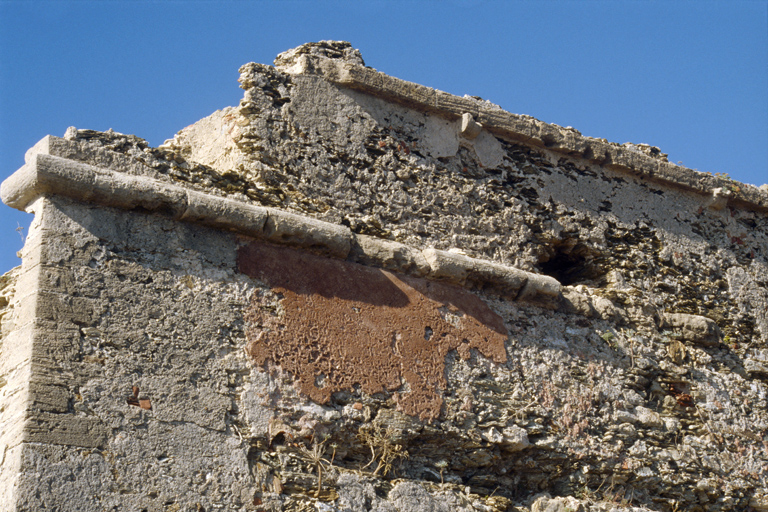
(345, 324)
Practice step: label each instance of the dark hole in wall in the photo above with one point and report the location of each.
(572, 263)
(279, 439)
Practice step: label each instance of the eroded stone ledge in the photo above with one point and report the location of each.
(639, 159)
(49, 171)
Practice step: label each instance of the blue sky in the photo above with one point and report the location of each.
(689, 76)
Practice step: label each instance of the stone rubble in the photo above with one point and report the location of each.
(632, 294)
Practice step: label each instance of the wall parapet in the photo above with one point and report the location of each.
(50, 171)
(639, 159)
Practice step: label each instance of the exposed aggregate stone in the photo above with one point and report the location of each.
(646, 390)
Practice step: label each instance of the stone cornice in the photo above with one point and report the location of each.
(127, 185)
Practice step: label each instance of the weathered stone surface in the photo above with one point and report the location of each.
(308, 233)
(389, 255)
(598, 343)
(694, 328)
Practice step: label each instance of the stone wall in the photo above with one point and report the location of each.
(355, 293)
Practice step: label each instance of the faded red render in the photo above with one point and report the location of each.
(345, 324)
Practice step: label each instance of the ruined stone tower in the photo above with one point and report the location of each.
(355, 293)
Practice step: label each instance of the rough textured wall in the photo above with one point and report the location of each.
(133, 301)
(192, 355)
(13, 378)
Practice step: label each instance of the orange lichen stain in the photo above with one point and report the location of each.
(344, 325)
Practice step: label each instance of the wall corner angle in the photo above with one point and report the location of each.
(23, 186)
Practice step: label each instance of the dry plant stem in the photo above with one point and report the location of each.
(333, 455)
(315, 456)
(373, 457)
(388, 451)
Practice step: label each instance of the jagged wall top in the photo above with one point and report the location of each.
(340, 63)
(341, 50)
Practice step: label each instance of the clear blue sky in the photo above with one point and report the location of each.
(690, 77)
